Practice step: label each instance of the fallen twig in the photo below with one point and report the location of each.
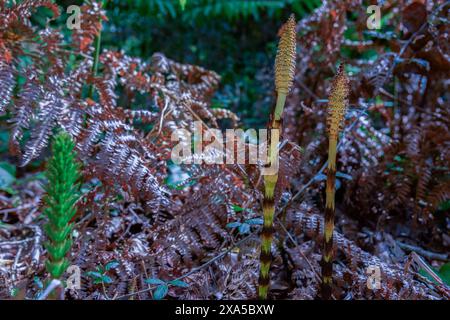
(209, 262)
(427, 254)
(55, 283)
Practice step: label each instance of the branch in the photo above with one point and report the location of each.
(211, 261)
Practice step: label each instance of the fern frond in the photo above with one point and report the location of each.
(29, 95)
(51, 108)
(7, 83)
(23, 10)
(91, 26)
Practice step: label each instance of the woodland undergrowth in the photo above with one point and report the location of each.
(142, 232)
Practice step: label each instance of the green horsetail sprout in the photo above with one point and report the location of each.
(61, 195)
(337, 106)
(284, 76)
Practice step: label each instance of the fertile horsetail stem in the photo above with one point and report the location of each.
(337, 106)
(285, 64)
(284, 76)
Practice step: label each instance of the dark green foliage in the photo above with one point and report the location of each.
(101, 273)
(225, 9)
(234, 38)
(62, 194)
(162, 287)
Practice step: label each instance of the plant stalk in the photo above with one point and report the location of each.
(270, 182)
(327, 257)
(98, 41)
(284, 76)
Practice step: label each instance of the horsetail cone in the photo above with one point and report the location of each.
(337, 107)
(285, 60)
(338, 102)
(285, 64)
(284, 76)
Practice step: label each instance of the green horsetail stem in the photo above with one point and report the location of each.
(61, 195)
(338, 101)
(284, 76)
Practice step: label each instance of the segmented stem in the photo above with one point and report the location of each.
(327, 258)
(270, 182)
(284, 75)
(337, 107)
